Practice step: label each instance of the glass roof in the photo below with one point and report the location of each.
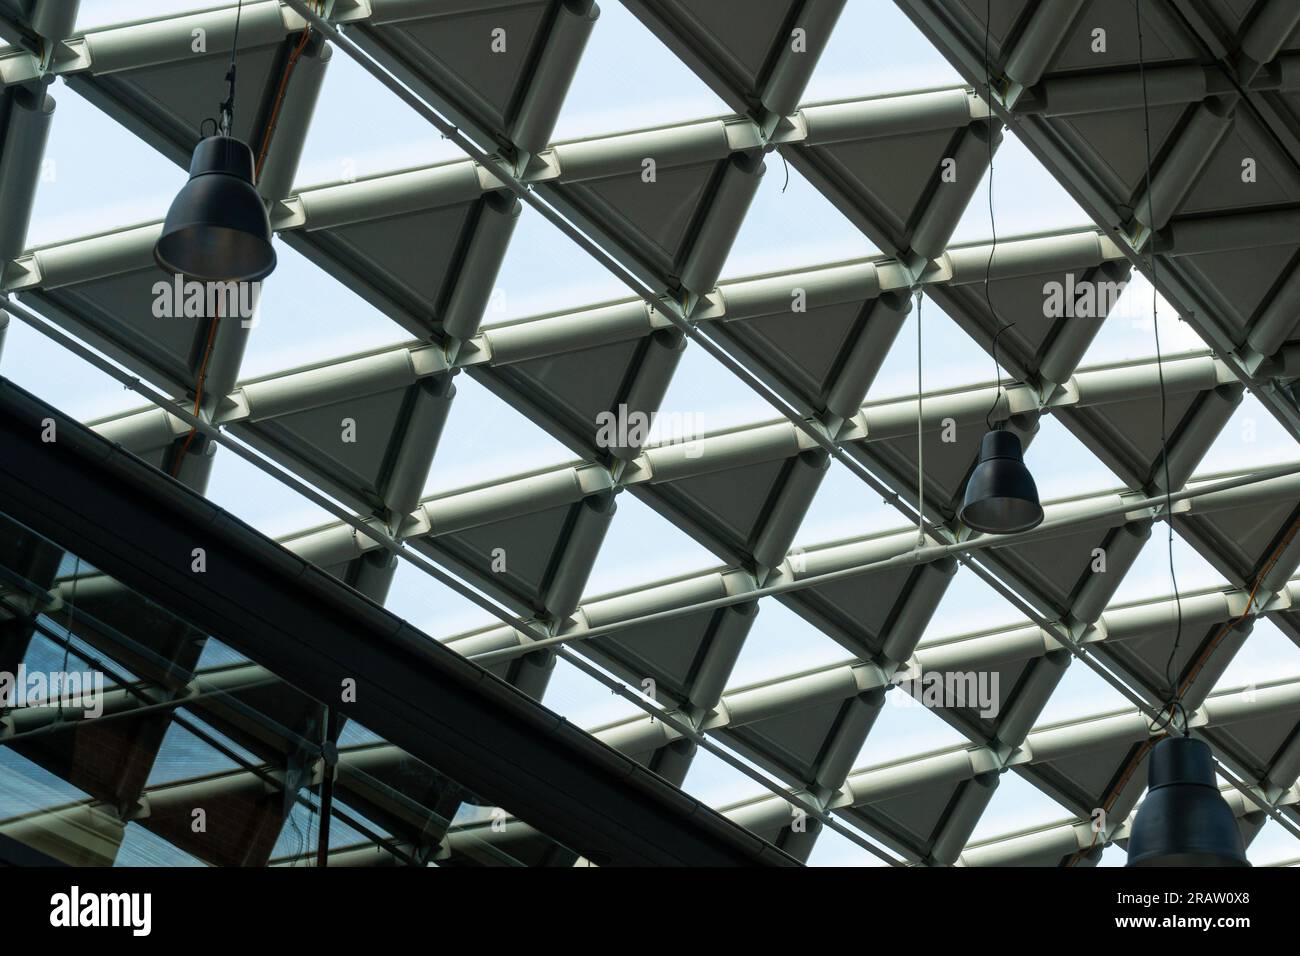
(636, 330)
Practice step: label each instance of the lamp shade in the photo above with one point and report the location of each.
(1001, 496)
(1184, 821)
(217, 228)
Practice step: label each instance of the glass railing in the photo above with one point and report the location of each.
(130, 738)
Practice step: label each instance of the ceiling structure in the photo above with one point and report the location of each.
(662, 207)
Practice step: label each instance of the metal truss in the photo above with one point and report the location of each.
(1227, 262)
(1222, 89)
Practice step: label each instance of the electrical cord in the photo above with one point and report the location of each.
(920, 442)
(1174, 703)
(200, 379)
(1195, 669)
(222, 126)
(274, 118)
(228, 114)
(993, 228)
(227, 108)
(1173, 715)
(997, 397)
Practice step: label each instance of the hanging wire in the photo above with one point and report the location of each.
(997, 396)
(1173, 715)
(920, 444)
(298, 855)
(988, 266)
(1174, 703)
(228, 106)
(227, 109)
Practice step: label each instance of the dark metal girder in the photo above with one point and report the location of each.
(128, 520)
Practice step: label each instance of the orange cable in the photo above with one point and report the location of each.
(201, 377)
(279, 100)
(1192, 673)
(198, 391)
(1137, 758)
(1250, 602)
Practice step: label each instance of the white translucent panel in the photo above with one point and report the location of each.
(216, 654)
(469, 814)
(1016, 805)
(1081, 693)
(269, 505)
(304, 317)
(68, 382)
(717, 783)
(1026, 199)
(834, 849)
(430, 606)
(845, 506)
(1251, 439)
(27, 787)
(1062, 466)
(96, 176)
(299, 835)
(584, 701)
(142, 847)
(641, 547)
(949, 358)
(781, 643)
(1113, 855)
(970, 605)
(360, 129)
(1267, 655)
(791, 225)
(905, 728)
(184, 755)
(353, 735)
(1274, 845)
(486, 439)
(705, 394)
(545, 271)
(216, 738)
(1150, 572)
(669, 428)
(1129, 331)
(627, 79)
(46, 655)
(875, 48)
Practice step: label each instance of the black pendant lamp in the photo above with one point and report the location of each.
(1001, 497)
(217, 229)
(1184, 821)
